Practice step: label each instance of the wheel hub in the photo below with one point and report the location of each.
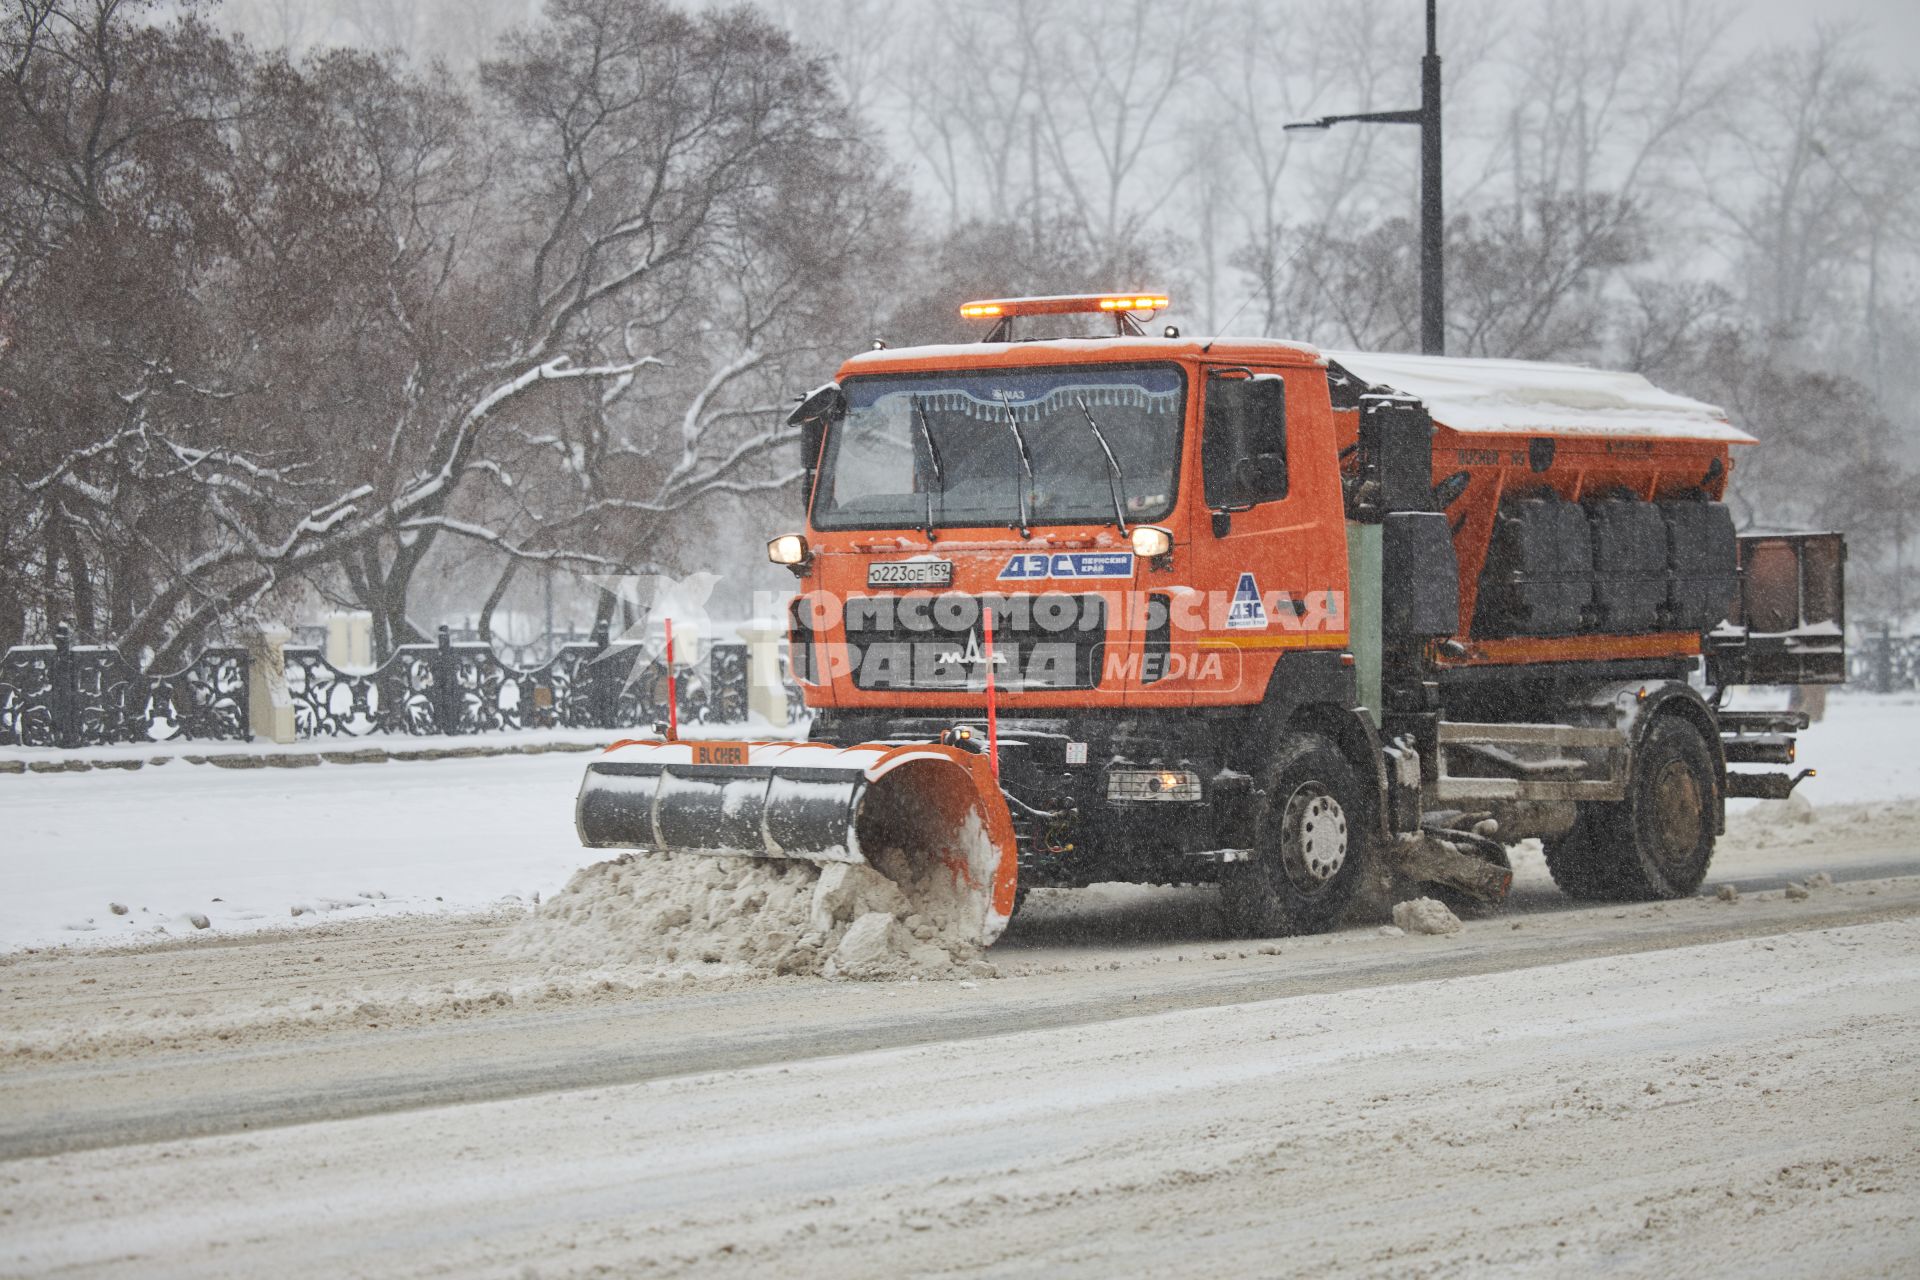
(1313, 837)
(1678, 810)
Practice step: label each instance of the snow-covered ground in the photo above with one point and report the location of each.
(1866, 748)
(246, 848)
(1740, 1108)
(1723, 1082)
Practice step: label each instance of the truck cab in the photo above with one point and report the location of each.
(1139, 542)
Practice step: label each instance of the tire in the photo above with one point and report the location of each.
(1312, 845)
(1579, 860)
(1658, 842)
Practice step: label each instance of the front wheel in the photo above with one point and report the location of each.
(1311, 845)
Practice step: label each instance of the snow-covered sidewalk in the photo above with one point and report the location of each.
(1864, 749)
(247, 849)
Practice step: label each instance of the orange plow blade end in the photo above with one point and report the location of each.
(929, 817)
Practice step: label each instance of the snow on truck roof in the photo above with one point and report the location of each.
(1529, 397)
(1041, 351)
(1520, 397)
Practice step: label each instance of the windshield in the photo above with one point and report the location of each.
(878, 473)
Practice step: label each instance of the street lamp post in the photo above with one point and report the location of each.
(1433, 306)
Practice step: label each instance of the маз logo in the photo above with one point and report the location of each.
(971, 656)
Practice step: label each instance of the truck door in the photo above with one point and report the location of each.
(1269, 544)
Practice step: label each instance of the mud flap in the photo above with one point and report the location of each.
(929, 817)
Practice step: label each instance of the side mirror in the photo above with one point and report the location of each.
(1262, 476)
(1244, 440)
(822, 405)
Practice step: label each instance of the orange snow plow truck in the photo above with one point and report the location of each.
(1300, 623)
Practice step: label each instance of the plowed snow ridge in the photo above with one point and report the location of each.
(688, 913)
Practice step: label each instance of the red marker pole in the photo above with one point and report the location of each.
(673, 691)
(993, 719)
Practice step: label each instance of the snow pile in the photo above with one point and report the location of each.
(1794, 811)
(695, 913)
(1797, 822)
(1425, 915)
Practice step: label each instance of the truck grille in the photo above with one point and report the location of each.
(1048, 641)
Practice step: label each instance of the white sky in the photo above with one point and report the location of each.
(1893, 25)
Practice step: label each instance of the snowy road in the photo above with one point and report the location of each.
(1706, 1084)
(1751, 1103)
(177, 1044)
(1554, 1087)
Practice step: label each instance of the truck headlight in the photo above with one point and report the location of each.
(1150, 542)
(1141, 786)
(789, 549)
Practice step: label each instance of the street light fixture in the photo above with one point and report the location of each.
(1433, 307)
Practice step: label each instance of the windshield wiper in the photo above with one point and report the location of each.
(1026, 464)
(933, 456)
(1115, 480)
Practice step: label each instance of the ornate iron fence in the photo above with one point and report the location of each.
(456, 688)
(63, 695)
(68, 695)
(1885, 663)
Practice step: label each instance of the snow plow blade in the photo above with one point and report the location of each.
(929, 817)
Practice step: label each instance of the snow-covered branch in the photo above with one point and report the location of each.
(87, 454)
(493, 538)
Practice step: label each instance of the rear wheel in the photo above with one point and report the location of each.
(1311, 845)
(1658, 842)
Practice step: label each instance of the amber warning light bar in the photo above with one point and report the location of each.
(1063, 304)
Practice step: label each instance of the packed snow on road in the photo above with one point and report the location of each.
(436, 1018)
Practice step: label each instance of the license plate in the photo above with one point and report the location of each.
(911, 573)
(719, 752)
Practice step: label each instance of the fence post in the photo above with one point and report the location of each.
(446, 684)
(603, 688)
(1883, 661)
(269, 705)
(766, 692)
(63, 695)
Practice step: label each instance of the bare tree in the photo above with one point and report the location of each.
(1105, 85)
(966, 85)
(109, 137)
(348, 304)
(1280, 188)
(1605, 96)
(1777, 172)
